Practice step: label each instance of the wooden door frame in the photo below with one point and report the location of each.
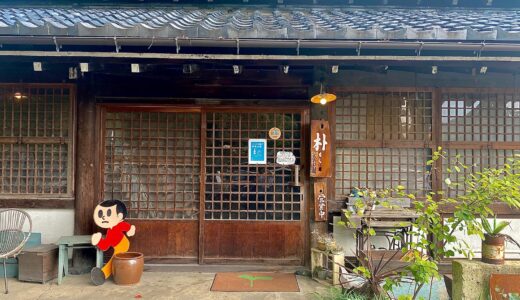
(305, 119)
(304, 110)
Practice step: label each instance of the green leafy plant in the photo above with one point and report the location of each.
(433, 231)
(496, 229)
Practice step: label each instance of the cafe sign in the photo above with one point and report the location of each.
(285, 158)
(320, 149)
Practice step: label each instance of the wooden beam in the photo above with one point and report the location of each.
(37, 203)
(85, 161)
(256, 57)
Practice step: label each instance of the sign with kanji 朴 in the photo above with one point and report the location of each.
(320, 149)
(320, 201)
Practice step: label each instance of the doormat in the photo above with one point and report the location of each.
(254, 282)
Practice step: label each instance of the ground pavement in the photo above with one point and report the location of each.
(153, 285)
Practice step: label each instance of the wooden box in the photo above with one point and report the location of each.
(38, 264)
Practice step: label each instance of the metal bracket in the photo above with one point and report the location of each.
(151, 44)
(58, 46)
(298, 47)
(238, 46)
(358, 48)
(482, 46)
(177, 47)
(419, 49)
(117, 46)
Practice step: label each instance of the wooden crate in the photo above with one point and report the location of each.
(38, 264)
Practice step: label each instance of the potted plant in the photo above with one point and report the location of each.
(493, 244)
(320, 273)
(321, 240)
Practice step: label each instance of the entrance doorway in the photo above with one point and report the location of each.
(190, 190)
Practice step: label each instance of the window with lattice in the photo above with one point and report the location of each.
(383, 140)
(36, 141)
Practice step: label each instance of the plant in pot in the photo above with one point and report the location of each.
(320, 272)
(321, 240)
(483, 189)
(493, 244)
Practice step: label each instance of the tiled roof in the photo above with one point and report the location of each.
(273, 23)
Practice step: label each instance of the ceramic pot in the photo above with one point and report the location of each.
(493, 249)
(322, 274)
(127, 267)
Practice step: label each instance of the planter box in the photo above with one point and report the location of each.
(38, 264)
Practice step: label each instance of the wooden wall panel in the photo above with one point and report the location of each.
(167, 239)
(253, 241)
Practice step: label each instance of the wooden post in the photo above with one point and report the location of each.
(86, 152)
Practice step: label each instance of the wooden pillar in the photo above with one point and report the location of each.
(86, 166)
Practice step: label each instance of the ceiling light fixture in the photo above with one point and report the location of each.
(323, 98)
(19, 96)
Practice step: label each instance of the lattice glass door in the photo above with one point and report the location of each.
(152, 163)
(236, 190)
(252, 212)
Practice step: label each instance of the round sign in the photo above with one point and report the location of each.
(275, 133)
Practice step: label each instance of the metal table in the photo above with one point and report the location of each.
(387, 221)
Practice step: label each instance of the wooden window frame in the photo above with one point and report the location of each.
(436, 136)
(501, 209)
(35, 200)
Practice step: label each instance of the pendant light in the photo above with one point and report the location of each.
(323, 98)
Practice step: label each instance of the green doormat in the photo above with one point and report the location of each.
(255, 282)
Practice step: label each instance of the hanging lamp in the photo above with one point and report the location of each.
(323, 98)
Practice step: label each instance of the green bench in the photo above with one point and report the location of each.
(74, 242)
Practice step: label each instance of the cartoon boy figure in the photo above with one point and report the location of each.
(110, 214)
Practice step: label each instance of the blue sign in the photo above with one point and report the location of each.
(257, 151)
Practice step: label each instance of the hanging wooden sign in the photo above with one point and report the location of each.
(320, 201)
(320, 149)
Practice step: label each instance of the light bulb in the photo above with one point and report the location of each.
(323, 101)
(18, 96)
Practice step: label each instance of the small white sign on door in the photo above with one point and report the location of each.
(285, 158)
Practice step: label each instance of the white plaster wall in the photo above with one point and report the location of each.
(345, 238)
(52, 223)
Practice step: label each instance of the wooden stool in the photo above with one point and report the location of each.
(74, 242)
(322, 258)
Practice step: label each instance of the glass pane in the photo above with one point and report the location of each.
(152, 163)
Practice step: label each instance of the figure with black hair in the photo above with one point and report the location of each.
(110, 214)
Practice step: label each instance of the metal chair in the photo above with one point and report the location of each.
(12, 236)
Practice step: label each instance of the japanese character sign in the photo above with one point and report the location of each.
(320, 149)
(320, 201)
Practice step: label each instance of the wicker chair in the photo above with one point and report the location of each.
(12, 236)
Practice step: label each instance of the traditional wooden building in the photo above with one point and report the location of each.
(154, 103)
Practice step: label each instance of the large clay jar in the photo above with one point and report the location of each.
(127, 267)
